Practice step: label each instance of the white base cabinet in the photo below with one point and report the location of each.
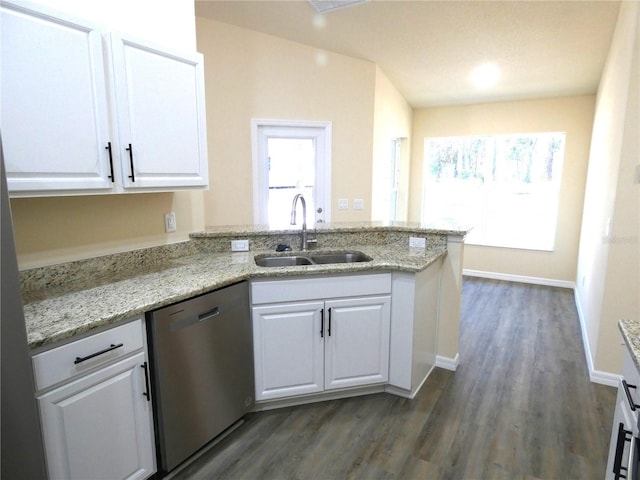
(357, 342)
(97, 424)
(624, 445)
(414, 329)
(288, 350)
(314, 345)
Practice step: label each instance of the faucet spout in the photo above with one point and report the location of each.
(303, 245)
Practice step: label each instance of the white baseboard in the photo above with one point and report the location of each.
(401, 392)
(549, 282)
(596, 376)
(448, 363)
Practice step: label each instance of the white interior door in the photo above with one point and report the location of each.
(290, 158)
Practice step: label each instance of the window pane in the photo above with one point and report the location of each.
(291, 171)
(506, 186)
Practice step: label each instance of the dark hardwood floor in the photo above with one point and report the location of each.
(520, 406)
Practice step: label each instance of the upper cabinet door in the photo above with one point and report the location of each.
(54, 110)
(159, 98)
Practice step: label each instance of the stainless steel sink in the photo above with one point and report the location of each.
(343, 257)
(284, 261)
(311, 259)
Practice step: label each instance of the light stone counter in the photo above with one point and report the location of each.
(73, 299)
(630, 330)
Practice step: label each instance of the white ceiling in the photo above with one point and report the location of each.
(429, 48)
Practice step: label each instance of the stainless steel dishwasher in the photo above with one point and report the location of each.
(201, 357)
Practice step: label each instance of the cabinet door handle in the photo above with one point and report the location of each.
(329, 328)
(322, 323)
(108, 147)
(146, 381)
(626, 387)
(624, 436)
(108, 349)
(130, 150)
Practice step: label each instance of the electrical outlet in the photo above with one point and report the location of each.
(170, 222)
(240, 245)
(343, 204)
(417, 242)
(358, 204)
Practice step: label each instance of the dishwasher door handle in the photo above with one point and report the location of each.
(214, 312)
(193, 320)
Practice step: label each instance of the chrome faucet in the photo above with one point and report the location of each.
(303, 245)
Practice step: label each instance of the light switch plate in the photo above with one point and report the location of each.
(358, 204)
(169, 222)
(343, 204)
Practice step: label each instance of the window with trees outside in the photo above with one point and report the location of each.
(506, 186)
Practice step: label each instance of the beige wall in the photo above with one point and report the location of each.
(608, 284)
(392, 119)
(253, 75)
(60, 229)
(573, 115)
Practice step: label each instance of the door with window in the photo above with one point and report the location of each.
(290, 158)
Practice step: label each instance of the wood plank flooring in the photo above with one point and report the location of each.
(520, 406)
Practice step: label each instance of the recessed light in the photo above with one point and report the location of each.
(485, 75)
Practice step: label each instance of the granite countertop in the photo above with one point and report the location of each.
(55, 315)
(440, 227)
(630, 330)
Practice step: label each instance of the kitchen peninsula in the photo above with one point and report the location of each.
(319, 331)
(63, 301)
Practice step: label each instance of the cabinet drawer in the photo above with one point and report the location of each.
(67, 361)
(298, 289)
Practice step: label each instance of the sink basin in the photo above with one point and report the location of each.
(284, 261)
(344, 257)
(311, 259)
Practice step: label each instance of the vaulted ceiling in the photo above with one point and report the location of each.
(428, 49)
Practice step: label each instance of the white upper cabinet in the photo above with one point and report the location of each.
(88, 111)
(54, 109)
(159, 98)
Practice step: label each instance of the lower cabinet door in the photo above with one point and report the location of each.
(621, 438)
(100, 426)
(357, 342)
(288, 349)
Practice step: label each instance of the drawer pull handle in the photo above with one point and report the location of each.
(112, 347)
(626, 387)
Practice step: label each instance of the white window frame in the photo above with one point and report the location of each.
(322, 134)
